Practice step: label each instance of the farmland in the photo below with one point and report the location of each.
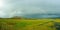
(29, 24)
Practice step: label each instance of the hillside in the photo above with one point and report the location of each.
(29, 24)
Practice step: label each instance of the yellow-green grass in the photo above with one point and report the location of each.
(28, 24)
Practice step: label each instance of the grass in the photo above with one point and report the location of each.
(28, 24)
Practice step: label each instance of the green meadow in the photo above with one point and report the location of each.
(29, 24)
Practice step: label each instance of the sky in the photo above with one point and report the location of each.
(11, 8)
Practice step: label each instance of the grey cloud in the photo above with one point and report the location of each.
(24, 7)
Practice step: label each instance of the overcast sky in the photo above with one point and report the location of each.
(10, 8)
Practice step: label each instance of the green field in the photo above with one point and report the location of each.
(29, 24)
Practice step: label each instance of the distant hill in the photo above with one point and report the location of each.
(17, 17)
(43, 16)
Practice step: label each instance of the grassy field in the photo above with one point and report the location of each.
(29, 24)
